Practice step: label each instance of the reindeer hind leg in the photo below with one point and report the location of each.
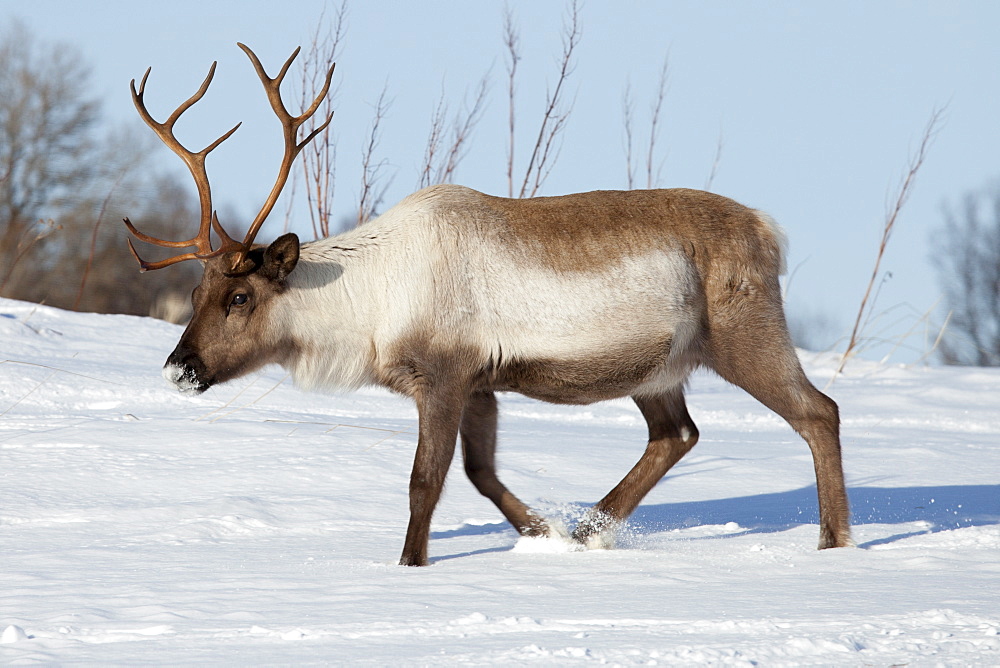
(758, 356)
(479, 438)
(672, 433)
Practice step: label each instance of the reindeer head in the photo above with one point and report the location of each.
(232, 330)
(230, 333)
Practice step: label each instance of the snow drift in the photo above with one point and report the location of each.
(259, 524)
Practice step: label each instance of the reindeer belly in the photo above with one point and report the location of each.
(609, 375)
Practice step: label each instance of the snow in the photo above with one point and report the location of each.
(256, 524)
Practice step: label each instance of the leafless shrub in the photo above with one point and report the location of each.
(653, 168)
(968, 266)
(27, 238)
(166, 208)
(628, 112)
(373, 181)
(715, 162)
(512, 41)
(866, 308)
(440, 159)
(554, 117)
(319, 156)
(47, 142)
(63, 175)
(93, 242)
(653, 174)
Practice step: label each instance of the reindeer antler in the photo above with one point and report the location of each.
(290, 128)
(195, 162)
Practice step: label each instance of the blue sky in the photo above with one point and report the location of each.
(819, 107)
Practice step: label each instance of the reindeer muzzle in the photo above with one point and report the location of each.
(186, 372)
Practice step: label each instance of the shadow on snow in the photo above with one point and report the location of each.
(941, 508)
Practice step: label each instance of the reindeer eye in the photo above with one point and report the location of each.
(239, 299)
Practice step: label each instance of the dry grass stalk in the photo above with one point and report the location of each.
(866, 308)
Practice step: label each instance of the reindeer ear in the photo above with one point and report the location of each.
(281, 257)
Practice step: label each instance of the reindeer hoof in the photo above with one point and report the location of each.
(596, 531)
(829, 539)
(412, 560)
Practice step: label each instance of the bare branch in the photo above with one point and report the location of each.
(372, 188)
(319, 157)
(544, 165)
(892, 215)
(715, 162)
(27, 238)
(93, 240)
(511, 41)
(440, 167)
(553, 120)
(628, 108)
(461, 131)
(434, 139)
(654, 122)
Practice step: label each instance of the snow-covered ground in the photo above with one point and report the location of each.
(256, 524)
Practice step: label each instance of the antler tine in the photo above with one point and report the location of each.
(195, 161)
(149, 266)
(153, 240)
(290, 127)
(227, 242)
(271, 86)
(312, 110)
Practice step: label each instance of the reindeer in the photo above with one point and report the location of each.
(452, 296)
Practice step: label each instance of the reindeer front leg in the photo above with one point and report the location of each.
(440, 412)
(479, 442)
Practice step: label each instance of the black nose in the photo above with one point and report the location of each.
(185, 370)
